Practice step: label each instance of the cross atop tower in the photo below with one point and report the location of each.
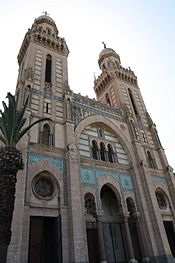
(104, 44)
(45, 13)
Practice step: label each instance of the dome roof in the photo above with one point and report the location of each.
(45, 17)
(107, 52)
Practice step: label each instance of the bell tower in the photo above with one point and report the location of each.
(117, 86)
(43, 73)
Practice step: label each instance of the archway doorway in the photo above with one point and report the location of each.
(112, 226)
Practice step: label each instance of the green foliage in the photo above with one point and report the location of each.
(12, 122)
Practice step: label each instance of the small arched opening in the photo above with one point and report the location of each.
(102, 151)
(111, 156)
(95, 150)
(48, 69)
(46, 134)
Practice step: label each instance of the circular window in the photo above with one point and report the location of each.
(43, 187)
(161, 200)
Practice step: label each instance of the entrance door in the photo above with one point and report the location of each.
(114, 245)
(44, 242)
(92, 242)
(170, 231)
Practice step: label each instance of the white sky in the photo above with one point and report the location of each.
(141, 31)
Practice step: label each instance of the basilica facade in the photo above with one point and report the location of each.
(96, 187)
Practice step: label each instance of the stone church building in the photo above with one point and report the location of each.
(96, 186)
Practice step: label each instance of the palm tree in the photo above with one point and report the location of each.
(12, 129)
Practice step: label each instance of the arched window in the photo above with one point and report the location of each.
(100, 133)
(90, 204)
(107, 99)
(133, 102)
(151, 161)
(110, 154)
(95, 151)
(130, 205)
(102, 152)
(46, 134)
(161, 199)
(48, 68)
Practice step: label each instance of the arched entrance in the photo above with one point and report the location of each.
(115, 247)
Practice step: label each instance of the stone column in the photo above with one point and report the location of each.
(141, 236)
(79, 252)
(128, 239)
(100, 239)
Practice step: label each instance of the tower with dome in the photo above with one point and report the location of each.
(97, 187)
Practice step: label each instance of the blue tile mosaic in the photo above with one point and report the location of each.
(160, 179)
(126, 182)
(34, 158)
(89, 175)
(101, 172)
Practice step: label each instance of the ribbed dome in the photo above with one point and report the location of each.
(45, 17)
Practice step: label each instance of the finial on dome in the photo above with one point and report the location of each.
(104, 44)
(45, 13)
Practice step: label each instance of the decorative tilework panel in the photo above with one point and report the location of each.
(34, 158)
(158, 178)
(89, 175)
(101, 173)
(126, 182)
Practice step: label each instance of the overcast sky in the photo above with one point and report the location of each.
(141, 31)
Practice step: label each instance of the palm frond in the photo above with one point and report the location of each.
(12, 121)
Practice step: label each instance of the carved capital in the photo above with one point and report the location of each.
(144, 164)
